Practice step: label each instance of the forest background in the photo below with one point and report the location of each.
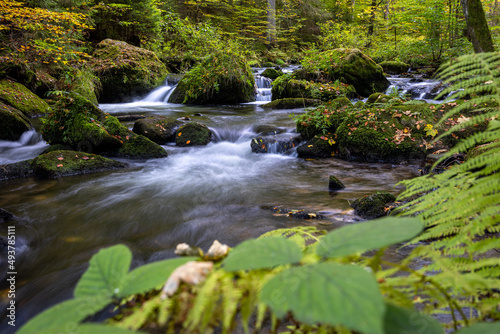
(59, 34)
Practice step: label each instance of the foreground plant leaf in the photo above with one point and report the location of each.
(150, 276)
(401, 320)
(483, 328)
(64, 316)
(374, 234)
(262, 254)
(106, 273)
(327, 293)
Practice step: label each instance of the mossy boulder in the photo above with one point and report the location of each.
(287, 86)
(13, 123)
(394, 67)
(193, 134)
(373, 206)
(351, 66)
(126, 71)
(79, 124)
(64, 163)
(159, 129)
(271, 73)
(86, 85)
(221, 78)
(317, 147)
(21, 98)
(291, 103)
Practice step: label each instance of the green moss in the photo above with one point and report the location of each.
(140, 147)
(318, 147)
(271, 73)
(12, 123)
(193, 134)
(377, 98)
(159, 129)
(373, 206)
(86, 85)
(288, 87)
(291, 103)
(19, 97)
(223, 77)
(394, 67)
(63, 163)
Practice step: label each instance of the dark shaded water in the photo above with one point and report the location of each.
(196, 195)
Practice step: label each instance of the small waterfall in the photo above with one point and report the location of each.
(263, 89)
(160, 94)
(28, 146)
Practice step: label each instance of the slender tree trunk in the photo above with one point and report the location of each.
(271, 22)
(371, 24)
(477, 32)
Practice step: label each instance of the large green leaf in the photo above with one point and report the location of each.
(65, 315)
(262, 253)
(150, 276)
(373, 234)
(481, 328)
(401, 320)
(102, 329)
(328, 293)
(106, 273)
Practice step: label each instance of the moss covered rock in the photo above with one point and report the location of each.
(126, 71)
(86, 85)
(373, 206)
(350, 66)
(271, 73)
(221, 78)
(335, 184)
(12, 123)
(377, 98)
(317, 147)
(159, 129)
(193, 134)
(16, 170)
(394, 67)
(287, 86)
(21, 98)
(64, 163)
(291, 103)
(79, 124)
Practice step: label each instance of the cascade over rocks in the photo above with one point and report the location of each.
(126, 71)
(274, 143)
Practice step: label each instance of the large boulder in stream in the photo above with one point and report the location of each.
(221, 78)
(193, 134)
(80, 125)
(159, 129)
(65, 163)
(13, 123)
(21, 98)
(350, 66)
(126, 71)
(288, 86)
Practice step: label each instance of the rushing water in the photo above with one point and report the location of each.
(196, 195)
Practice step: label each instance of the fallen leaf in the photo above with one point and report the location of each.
(60, 158)
(188, 141)
(59, 165)
(85, 158)
(180, 133)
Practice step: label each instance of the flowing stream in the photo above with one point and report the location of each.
(221, 191)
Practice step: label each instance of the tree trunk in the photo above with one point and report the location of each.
(477, 32)
(271, 22)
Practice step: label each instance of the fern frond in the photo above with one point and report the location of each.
(141, 315)
(206, 301)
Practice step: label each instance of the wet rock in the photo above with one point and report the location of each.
(274, 144)
(5, 216)
(373, 206)
(129, 118)
(291, 103)
(13, 123)
(271, 73)
(16, 170)
(193, 134)
(317, 147)
(267, 130)
(125, 70)
(394, 67)
(335, 184)
(191, 273)
(297, 214)
(186, 250)
(159, 129)
(22, 99)
(217, 251)
(64, 163)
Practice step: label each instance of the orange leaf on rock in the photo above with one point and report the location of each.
(60, 158)
(59, 165)
(180, 133)
(188, 141)
(85, 158)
